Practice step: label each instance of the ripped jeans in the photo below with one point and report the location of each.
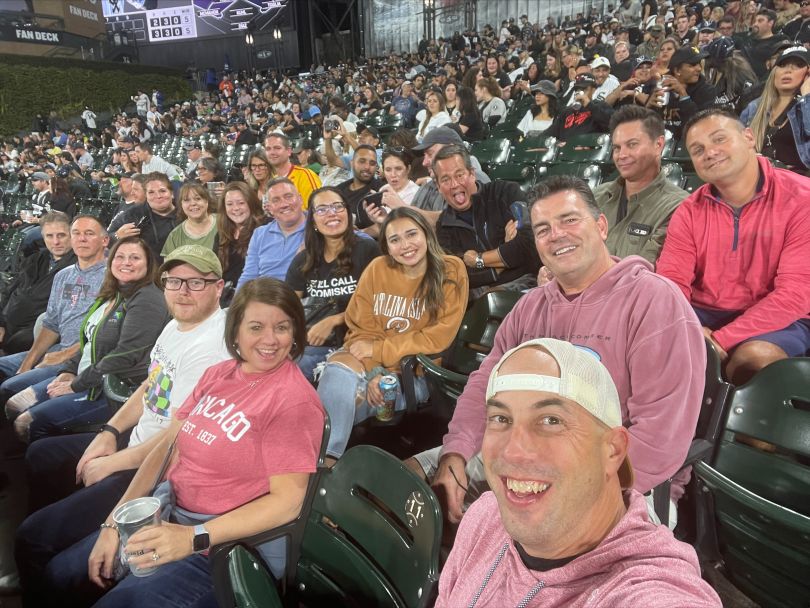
(343, 394)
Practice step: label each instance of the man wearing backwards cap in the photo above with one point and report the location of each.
(190, 343)
(619, 309)
(561, 526)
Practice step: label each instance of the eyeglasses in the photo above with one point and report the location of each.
(261, 166)
(176, 283)
(326, 209)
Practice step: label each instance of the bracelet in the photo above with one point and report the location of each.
(110, 429)
(112, 526)
(377, 371)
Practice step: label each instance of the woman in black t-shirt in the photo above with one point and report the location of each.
(325, 273)
(470, 124)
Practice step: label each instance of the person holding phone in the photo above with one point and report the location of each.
(198, 220)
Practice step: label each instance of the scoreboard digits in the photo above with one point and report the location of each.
(171, 24)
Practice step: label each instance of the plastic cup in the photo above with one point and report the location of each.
(131, 517)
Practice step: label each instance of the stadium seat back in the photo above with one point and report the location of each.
(371, 539)
(754, 498)
(589, 147)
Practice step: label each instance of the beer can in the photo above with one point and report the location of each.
(664, 101)
(389, 386)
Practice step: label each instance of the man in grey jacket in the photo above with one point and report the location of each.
(640, 202)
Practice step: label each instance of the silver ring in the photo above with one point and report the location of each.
(155, 556)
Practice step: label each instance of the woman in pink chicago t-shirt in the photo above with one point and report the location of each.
(247, 439)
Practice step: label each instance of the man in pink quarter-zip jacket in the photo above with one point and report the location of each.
(739, 246)
(637, 322)
(561, 526)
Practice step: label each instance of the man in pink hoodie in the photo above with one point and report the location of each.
(637, 322)
(561, 527)
(738, 248)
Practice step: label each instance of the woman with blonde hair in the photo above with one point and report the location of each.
(774, 118)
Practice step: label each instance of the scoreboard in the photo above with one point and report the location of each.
(171, 24)
(156, 21)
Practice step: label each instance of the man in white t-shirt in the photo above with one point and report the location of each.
(189, 344)
(606, 82)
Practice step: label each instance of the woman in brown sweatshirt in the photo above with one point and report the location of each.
(409, 300)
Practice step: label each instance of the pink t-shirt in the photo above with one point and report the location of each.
(239, 430)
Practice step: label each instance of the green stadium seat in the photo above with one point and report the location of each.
(590, 147)
(469, 348)
(674, 173)
(587, 171)
(371, 538)
(533, 150)
(691, 182)
(491, 152)
(676, 152)
(754, 504)
(523, 175)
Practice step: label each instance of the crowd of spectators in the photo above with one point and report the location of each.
(344, 253)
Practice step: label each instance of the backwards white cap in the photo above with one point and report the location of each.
(583, 379)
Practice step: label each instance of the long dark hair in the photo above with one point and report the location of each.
(110, 287)
(315, 242)
(466, 101)
(226, 228)
(431, 288)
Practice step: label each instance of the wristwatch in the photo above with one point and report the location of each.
(202, 542)
(479, 261)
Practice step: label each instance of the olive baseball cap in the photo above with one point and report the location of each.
(201, 258)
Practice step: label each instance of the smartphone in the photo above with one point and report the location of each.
(142, 221)
(214, 186)
(520, 211)
(374, 200)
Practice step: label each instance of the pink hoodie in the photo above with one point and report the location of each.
(637, 564)
(648, 337)
(755, 261)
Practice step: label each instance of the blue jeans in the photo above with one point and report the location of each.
(14, 384)
(186, 583)
(58, 527)
(343, 394)
(52, 416)
(51, 467)
(311, 357)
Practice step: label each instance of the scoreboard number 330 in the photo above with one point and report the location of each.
(171, 23)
